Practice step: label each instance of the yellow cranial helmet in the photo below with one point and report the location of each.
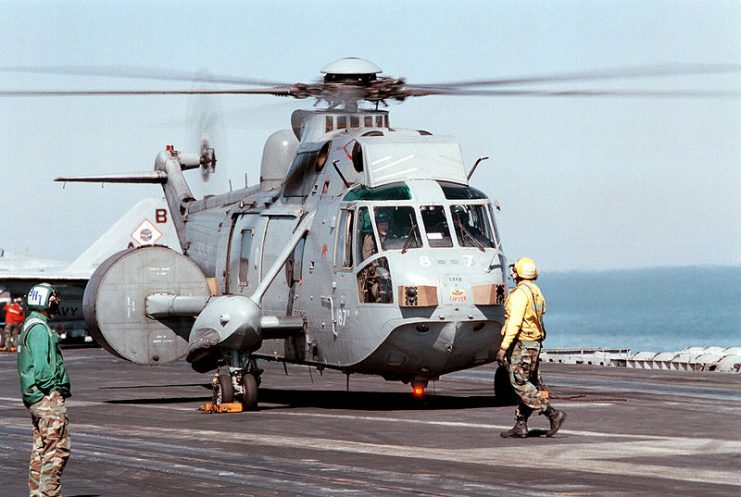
(525, 268)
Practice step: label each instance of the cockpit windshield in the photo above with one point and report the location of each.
(471, 226)
(397, 228)
(436, 225)
(379, 228)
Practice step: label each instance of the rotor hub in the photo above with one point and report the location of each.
(350, 69)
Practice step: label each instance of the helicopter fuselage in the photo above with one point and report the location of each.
(401, 272)
(363, 248)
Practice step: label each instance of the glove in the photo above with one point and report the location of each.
(502, 357)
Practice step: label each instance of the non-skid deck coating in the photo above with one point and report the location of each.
(136, 431)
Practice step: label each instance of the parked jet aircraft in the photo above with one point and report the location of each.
(146, 223)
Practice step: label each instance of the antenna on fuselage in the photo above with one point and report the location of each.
(470, 173)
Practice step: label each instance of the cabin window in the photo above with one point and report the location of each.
(357, 157)
(328, 123)
(397, 228)
(341, 122)
(354, 121)
(436, 226)
(379, 122)
(472, 226)
(244, 256)
(343, 251)
(368, 121)
(301, 176)
(321, 158)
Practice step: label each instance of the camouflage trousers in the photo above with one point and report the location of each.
(10, 337)
(51, 446)
(523, 374)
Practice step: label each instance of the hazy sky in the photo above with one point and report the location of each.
(583, 183)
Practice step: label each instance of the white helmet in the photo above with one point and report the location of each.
(43, 297)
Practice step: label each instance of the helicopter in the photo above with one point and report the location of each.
(363, 248)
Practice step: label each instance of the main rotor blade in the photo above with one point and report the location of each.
(278, 91)
(615, 73)
(139, 73)
(420, 92)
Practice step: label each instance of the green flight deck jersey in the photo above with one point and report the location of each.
(40, 363)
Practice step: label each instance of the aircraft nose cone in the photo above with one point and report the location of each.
(227, 322)
(202, 338)
(201, 349)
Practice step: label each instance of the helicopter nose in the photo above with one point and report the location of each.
(201, 345)
(229, 322)
(449, 345)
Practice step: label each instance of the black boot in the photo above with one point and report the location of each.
(556, 418)
(519, 430)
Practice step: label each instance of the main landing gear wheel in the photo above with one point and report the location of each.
(249, 385)
(226, 387)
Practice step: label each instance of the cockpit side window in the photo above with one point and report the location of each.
(436, 225)
(472, 226)
(366, 240)
(497, 236)
(397, 227)
(374, 283)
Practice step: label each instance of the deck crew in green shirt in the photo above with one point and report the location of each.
(44, 386)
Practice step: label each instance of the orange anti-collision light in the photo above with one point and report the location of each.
(169, 148)
(419, 391)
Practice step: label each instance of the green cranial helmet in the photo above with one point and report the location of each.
(43, 297)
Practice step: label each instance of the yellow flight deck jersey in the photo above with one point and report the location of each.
(521, 316)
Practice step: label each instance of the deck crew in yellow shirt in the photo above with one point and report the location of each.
(523, 333)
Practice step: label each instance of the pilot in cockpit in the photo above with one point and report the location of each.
(369, 241)
(468, 233)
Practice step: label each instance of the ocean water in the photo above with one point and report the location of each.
(655, 309)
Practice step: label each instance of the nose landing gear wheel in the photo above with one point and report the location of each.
(249, 385)
(226, 388)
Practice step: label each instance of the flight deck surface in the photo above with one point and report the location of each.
(137, 431)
